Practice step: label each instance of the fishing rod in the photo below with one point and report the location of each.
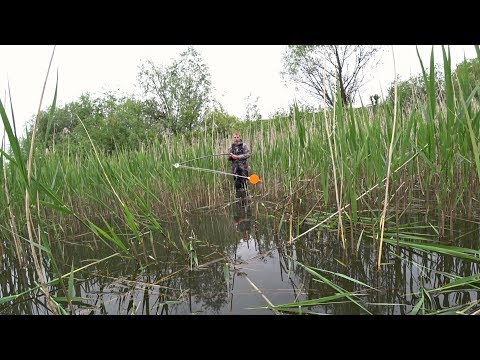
(253, 179)
(201, 157)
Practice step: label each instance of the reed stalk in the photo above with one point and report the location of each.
(389, 164)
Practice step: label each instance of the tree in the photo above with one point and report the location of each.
(180, 91)
(414, 91)
(112, 122)
(468, 75)
(319, 68)
(252, 111)
(218, 119)
(65, 120)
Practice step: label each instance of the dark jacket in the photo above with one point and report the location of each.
(243, 152)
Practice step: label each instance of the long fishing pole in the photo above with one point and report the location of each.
(254, 179)
(201, 157)
(177, 165)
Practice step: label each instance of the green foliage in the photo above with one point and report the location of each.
(180, 92)
(468, 74)
(413, 90)
(219, 121)
(128, 125)
(113, 123)
(65, 122)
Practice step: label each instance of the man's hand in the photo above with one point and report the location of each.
(233, 156)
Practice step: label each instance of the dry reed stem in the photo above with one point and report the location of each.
(258, 290)
(390, 152)
(37, 261)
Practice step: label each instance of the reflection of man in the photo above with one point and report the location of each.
(242, 217)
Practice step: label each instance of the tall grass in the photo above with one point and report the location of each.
(148, 174)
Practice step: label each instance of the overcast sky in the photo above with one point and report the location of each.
(237, 71)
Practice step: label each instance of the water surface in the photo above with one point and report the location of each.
(240, 262)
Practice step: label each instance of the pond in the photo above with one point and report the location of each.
(238, 260)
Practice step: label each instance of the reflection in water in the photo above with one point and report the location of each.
(244, 225)
(242, 217)
(244, 263)
(251, 264)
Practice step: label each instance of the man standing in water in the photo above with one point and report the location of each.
(239, 152)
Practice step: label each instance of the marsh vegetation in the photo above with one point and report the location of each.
(370, 210)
